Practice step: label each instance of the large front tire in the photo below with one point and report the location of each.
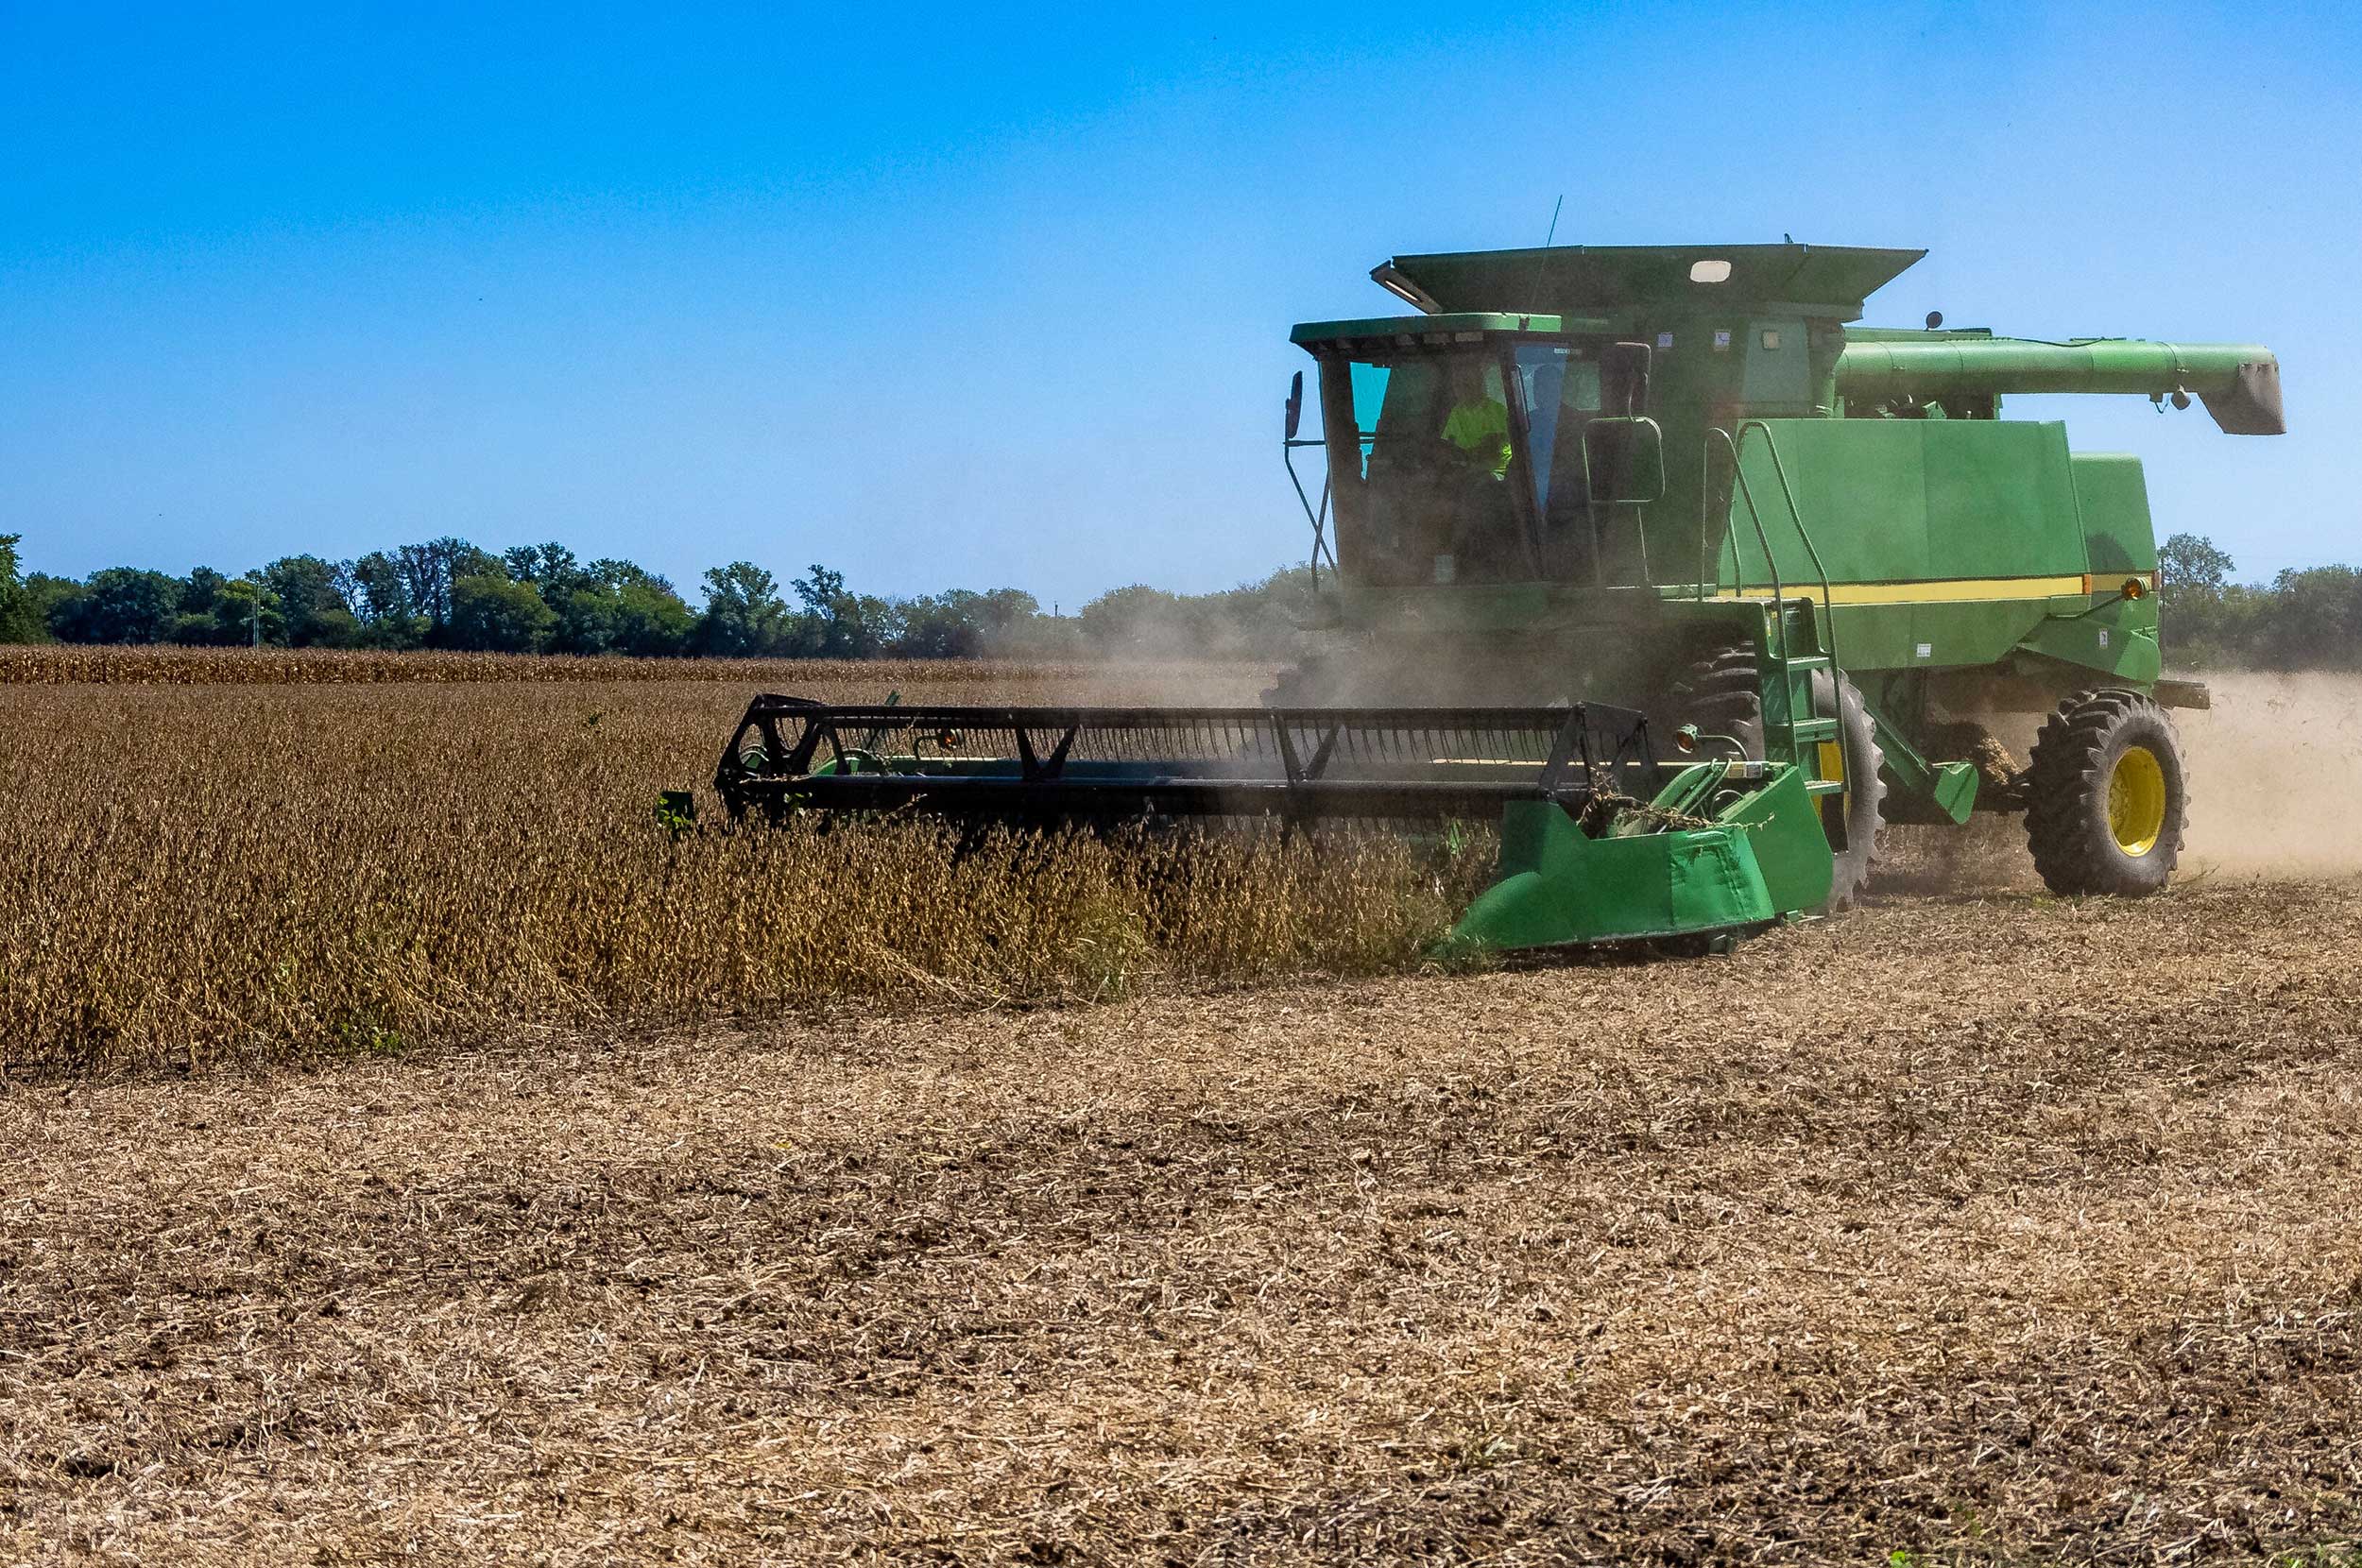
(1863, 804)
(2106, 797)
(1722, 695)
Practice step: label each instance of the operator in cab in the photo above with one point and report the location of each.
(1479, 421)
(1479, 517)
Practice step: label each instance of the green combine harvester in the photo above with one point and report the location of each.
(1645, 555)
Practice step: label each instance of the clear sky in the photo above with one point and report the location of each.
(970, 296)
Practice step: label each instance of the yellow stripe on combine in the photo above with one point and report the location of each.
(1934, 590)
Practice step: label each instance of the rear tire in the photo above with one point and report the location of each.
(2106, 797)
(1722, 694)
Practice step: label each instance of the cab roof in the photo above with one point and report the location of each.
(1463, 326)
(1824, 281)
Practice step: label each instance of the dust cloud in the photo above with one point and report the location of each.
(2275, 766)
(1173, 678)
(2275, 770)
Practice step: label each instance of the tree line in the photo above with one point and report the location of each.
(2307, 619)
(448, 593)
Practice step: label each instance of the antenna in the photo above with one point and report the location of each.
(1546, 239)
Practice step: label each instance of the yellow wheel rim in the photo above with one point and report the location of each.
(2136, 800)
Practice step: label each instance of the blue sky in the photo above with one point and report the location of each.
(959, 297)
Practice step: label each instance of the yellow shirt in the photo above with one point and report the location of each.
(1480, 429)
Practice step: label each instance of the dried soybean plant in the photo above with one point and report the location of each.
(196, 873)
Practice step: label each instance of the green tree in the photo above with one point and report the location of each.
(942, 625)
(2314, 620)
(198, 590)
(1260, 618)
(551, 567)
(393, 633)
(377, 589)
(624, 574)
(245, 612)
(607, 606)
(836, 622)
(2189, 564)
(20, 613)
(586, 622)
(743, 613)
(643, 618)
(650, 620)
(2203, 618)
(963, 624)
(47, 591)
(430, 572)
(494, 613)
(1139, 621)
(310, 598)
(120, 604)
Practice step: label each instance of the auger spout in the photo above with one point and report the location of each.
(2239, 382)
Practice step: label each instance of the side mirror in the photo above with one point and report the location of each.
(1624, 460)
(1295, 405)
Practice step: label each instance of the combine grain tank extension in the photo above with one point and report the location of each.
(1647, 556)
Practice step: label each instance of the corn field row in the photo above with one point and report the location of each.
(51, 665)
(201, 874)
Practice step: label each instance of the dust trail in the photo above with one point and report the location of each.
(2275, 770)
(1164, 679)
(2276, 776)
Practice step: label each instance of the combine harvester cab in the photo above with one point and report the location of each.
(1642, 554)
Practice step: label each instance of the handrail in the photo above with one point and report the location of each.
(1745, 492)
(1755, 515)
(1709, 588)
(1788, 493)
(1705, 513)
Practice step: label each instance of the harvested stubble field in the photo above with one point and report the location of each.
(1982, 1227)
(1993, 1229)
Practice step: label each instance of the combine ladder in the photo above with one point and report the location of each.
(1803, 642)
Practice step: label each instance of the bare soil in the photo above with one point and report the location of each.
(1986, 1229)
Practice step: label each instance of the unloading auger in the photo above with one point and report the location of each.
(1642, 554)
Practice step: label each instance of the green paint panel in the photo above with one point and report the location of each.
(1892, 501)
(2116, 526)
(1791, 849)
(1776, 366)
(1945, 789)
(2119, 640)
(1560, 886)
(1954, 504)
